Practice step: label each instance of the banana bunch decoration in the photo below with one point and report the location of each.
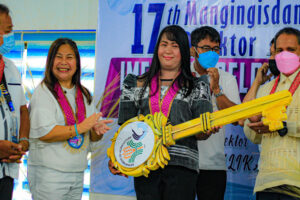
(140, 144)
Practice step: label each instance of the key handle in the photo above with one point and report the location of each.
(140, 146)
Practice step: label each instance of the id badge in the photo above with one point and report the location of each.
(15, 139)
(15, 130)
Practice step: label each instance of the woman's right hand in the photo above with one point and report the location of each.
(114, 171)
(88, 123)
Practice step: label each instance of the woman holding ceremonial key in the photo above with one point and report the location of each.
(170, 88)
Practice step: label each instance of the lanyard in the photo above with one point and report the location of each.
(293, 87)
(5, 93)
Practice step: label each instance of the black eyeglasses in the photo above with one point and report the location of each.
(208, 48)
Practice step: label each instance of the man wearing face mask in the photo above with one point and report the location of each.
(205, 49)
(279, 170)
(14, 119)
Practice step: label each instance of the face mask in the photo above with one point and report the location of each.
(208, 59)
(287, 62)
(8, 43)
(273, 67)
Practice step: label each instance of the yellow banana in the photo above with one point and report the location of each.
(165, 153)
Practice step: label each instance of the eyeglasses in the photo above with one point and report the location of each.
(208, 48)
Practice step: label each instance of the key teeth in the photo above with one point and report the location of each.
(273, 117)
(273, 125)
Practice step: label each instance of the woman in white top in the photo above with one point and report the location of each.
(63, 122)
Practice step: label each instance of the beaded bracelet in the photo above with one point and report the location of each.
(71, 132)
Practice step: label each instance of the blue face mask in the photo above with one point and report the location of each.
(208, 59)
(8, 43)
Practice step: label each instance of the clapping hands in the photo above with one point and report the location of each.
(101, 126)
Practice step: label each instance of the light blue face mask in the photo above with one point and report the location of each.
(8, 43)
(208, 59)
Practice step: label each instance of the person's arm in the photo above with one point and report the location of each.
(252, 135)
(258, 128)
(260, 78)
(230, 96)
(62, 133)
(114, 171)
(254, 127)
(24, 127)
(222, 101)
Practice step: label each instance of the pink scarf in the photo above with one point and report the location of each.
(66, 108)
(164, 105)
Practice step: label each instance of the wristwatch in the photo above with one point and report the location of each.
(24, 138)
(220, 93)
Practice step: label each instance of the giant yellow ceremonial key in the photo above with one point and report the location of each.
(140, 144)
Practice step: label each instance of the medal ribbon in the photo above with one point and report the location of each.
(66, 108)
(293, 87)
(164, 105)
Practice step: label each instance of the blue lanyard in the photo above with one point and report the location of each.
(6, 94)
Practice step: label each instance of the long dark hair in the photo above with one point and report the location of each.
(50, 80)
(185, 79)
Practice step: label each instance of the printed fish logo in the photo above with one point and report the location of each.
(140, 132)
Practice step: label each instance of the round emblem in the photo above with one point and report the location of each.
(134, 144)
(76, 142)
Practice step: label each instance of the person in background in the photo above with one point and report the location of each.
(279, 170)
(14, 126)
(189, 97)
(63, 122)
(211, 183)
(261, 78)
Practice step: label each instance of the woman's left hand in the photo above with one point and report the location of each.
(101, 127)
